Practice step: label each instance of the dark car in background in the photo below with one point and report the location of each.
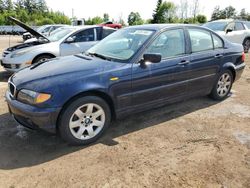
(134, 69)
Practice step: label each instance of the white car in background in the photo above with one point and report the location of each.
(67, 41)
(234, 30)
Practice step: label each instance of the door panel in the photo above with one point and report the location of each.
(161, 81)
(204, 60)
(203, 70)
(238, 32)
(152, 83)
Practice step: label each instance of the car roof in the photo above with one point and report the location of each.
(90, 26)
(161, 26)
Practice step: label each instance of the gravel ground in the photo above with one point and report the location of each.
(196, 143)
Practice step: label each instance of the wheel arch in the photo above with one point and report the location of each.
(42, 54)
(96, 93)
(246, 38)
(231, 67)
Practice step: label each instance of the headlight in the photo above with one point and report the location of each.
(17, 54)
(32, 97)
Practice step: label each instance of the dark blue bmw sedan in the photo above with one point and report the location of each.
(134, 69)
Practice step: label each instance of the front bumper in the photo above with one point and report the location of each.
(239, 70)
(33, 117)
(15, 64)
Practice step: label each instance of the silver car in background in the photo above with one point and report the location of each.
(65, 41)
(45, 30)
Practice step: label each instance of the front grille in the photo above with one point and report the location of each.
(12, 89)
(11, 66)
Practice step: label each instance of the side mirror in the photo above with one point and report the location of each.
(229, 30)
(152, 58)
(70, 40)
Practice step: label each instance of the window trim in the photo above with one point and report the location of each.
(241, 25)
(190, 42)
(223, 43)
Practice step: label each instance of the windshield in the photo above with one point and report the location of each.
(40, 29)
(216, 26)
(58, 34)
(122, 44)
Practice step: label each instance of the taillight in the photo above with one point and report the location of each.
(243, 57)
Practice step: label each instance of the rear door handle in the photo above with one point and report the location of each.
(218, 56)
(184, 62)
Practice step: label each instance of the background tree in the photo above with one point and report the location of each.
(243, 14)
(229, 12)
(9, 5)
(97, 20)
(167, 12)
(134, 18)
(41, 6)
(2, 7)
(156, 14)
(195, 8)
(183, 9)
(105, 17)
(201, 18)
(216, 13)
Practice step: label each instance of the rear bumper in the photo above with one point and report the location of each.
(33, 117)
(239, 70)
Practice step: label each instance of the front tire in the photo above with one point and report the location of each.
(222, 86)
(41, 59)
(84, 120)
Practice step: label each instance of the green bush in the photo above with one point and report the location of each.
(45, 21)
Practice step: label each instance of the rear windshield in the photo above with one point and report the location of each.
(247, 24)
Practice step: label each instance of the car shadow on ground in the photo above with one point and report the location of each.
(22, 148)
(4, 76)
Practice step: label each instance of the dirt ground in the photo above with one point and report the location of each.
(196, 143)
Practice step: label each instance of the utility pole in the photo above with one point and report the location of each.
(72, 13)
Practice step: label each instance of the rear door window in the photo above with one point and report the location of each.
(201, 40)
(239, 26)
(218, 43)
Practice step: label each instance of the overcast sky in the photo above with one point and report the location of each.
(121, 8)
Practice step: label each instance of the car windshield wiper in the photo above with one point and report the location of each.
(99, 56)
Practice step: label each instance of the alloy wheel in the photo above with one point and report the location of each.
(42, 60)
(87, 121)
(224, 85)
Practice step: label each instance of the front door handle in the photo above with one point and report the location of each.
(218, 56)
(184, 62)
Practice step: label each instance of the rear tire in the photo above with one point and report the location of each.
(223, 85)
(84, 120)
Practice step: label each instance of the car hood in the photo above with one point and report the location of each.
(27, 28)
(26, 45)
(60, 70)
